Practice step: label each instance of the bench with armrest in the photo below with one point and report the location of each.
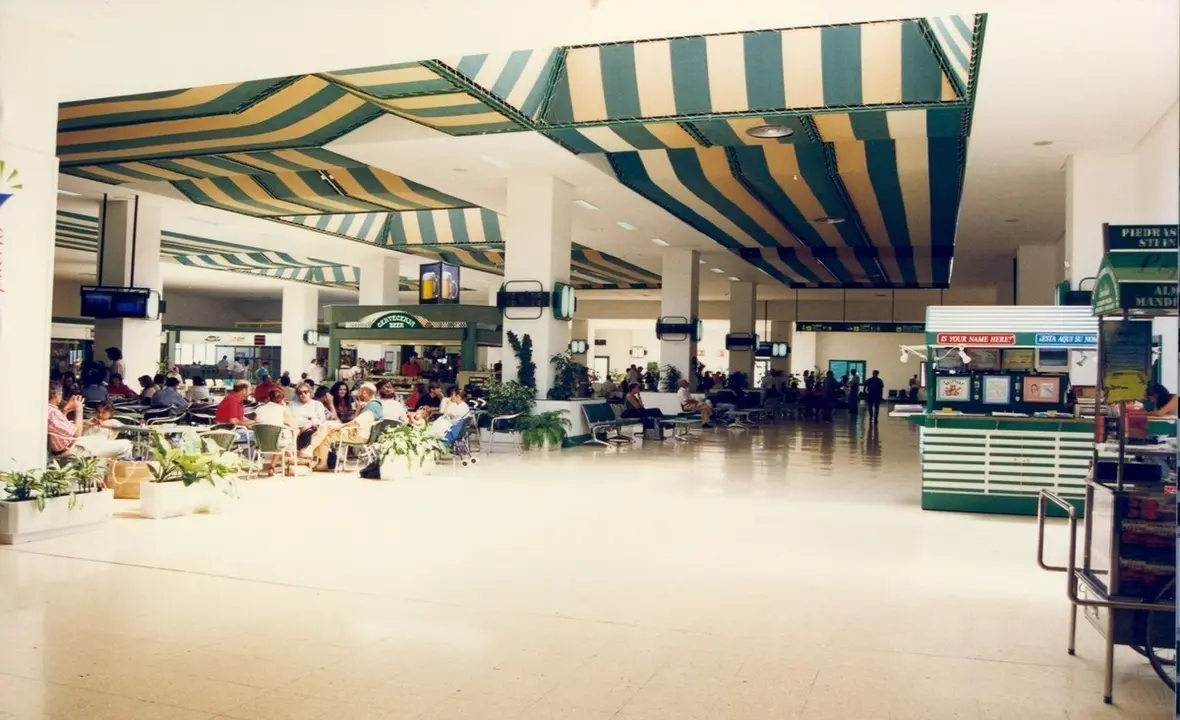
(600, 418)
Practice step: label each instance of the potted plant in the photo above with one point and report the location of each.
(547, 430)
(63, 498)
(526, 371)
(193, 476)
(671, 378)
(652, 376)
(567, 376)
(408, 451)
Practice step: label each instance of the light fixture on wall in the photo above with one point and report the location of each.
(770, 131)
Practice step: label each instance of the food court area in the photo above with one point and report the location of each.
(801, 361)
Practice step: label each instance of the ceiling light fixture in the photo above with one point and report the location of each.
(719, 271)
(660, 241)
(734, 279)
(626, 225)
(71, 193)
(495, 161)
(702, 262)
(1011, 220)
(828, 220)
(770, 132)
(1042, 143)
(585, 205)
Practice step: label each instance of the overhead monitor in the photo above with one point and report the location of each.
(1052, 360)
(102, 302)
(983, 359)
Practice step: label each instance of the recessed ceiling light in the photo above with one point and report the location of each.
(626, 225)
(734, 279)
(71, 193)
(585, 205)
(460, 169)
(1042, 143)
(719, 271)
(770, 132)
(660, 241)
(1011, 220)
(494, 161)
(702, 262)
(828, 220)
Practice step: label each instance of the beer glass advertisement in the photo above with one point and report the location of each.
(438, 283)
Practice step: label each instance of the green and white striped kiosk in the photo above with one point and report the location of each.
(998, 425)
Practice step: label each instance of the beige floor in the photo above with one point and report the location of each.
(771, 574)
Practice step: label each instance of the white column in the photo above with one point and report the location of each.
(742, 298)
(300, 314)
(489, 356)
(680, 297)
(1098, 189)
(129, 256)
(380, 285)
(780, 332)
(1037, 273)
(28, 149)
(538, 231)
(802, 351)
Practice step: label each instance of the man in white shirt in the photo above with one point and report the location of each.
(690, 404)
(309, 415)
(315, 372)
(346, 372)
(237, 370)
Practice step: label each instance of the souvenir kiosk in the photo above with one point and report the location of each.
(1125, 577)
(1000, 421)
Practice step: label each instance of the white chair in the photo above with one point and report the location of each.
(511, 432)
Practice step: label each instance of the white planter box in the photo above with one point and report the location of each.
(22, 522)
(397, 467)
(173, 499)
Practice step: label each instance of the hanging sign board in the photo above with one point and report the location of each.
(391, 320)
(978, 339)
(1056, 340)
(881, 327)
(1142, 237)
(1126, 360)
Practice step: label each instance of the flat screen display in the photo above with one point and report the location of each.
(984, 359)
(1018, 359)
(1041, 389)
(113, 302)
(1052, 359)
(948, 359)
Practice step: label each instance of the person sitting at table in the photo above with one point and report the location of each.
(342, 402)
(1164, 401)
(287, 387)
(116, 388)
(232, 411)
(452, 409)
(391, 407)
(323, 396)
(148, 383)
(411, 368)
(169, 396)
(103, 424)
(275, 412)
(416, 397)
(262, 390)
(633, 405)
(355, 430)
(690, 404)
(309, 414)
(93, 390)
(65, 436)
(199, 392)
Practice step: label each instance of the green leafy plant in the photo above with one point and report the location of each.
(193, 461)
(510, 398)
(410, 441)
(670, 375)
(617, 376)
(63, 477)
(526, 371)
(548, 427)
(651, 378)
(567, 376)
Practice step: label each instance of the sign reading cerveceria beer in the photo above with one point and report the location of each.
(392, 320)
(1142, 237)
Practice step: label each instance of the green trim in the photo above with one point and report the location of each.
(992, 504)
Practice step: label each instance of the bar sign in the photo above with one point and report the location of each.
(976, 339)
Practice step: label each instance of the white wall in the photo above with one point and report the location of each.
(622, 335)
(1158, 161)
(880, 351)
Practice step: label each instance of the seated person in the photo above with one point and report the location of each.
(288, 388)
(392, 408)
(199, 392)
(275, 412)
(431, 404)
(609, 388)
(262, 390)
(65, 436)
(117, 389)
(342, 401)
(323, 396)
(169, 396)
(633, 405)
(1163, 401)
(232, 410)
(453, 408)
(103, 424)
(690, 404)
(149, 385)
(309, 414)
(356, 430)
(416, 396)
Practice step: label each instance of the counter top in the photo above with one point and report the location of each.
(1155, 426)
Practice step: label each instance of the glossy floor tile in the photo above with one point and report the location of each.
(780, 573)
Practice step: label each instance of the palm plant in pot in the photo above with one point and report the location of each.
(547, 430)
(192, 475)
(408, 451)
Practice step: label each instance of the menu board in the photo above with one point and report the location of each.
(984, 358)
(953, 389)
(1041, 389)
(997, 390)
(1019, 359)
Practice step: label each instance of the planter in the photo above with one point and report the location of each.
(396, 467)
(22, 522)
(545, 447)
(173, 499)
(126, 478)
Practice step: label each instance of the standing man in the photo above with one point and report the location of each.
(237, 370)
(223, 367)
(874, 392)
(854, 394)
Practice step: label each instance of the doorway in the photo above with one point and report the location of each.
(601, 367)
(840, 368)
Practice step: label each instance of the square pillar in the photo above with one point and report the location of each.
(742, 299)
(28, 202)
(129, 256)
(780, 332)
(300, 314)
(380, 285)
(680, 297)
(538, 248)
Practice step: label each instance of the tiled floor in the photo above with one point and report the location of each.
(781, 573)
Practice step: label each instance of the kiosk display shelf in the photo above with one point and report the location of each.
(1125, 578)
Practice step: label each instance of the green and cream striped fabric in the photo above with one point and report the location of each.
(520, 79)
(955, 37)
(1005, 463)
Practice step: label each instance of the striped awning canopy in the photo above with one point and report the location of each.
(471, 237)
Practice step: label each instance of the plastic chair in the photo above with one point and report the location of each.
(512, 431)
(224, 439)
(269, 440)
(365, 448)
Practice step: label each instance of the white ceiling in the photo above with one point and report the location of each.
(1092, 76)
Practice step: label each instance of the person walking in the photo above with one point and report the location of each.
(874, 392)
(854, 395)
